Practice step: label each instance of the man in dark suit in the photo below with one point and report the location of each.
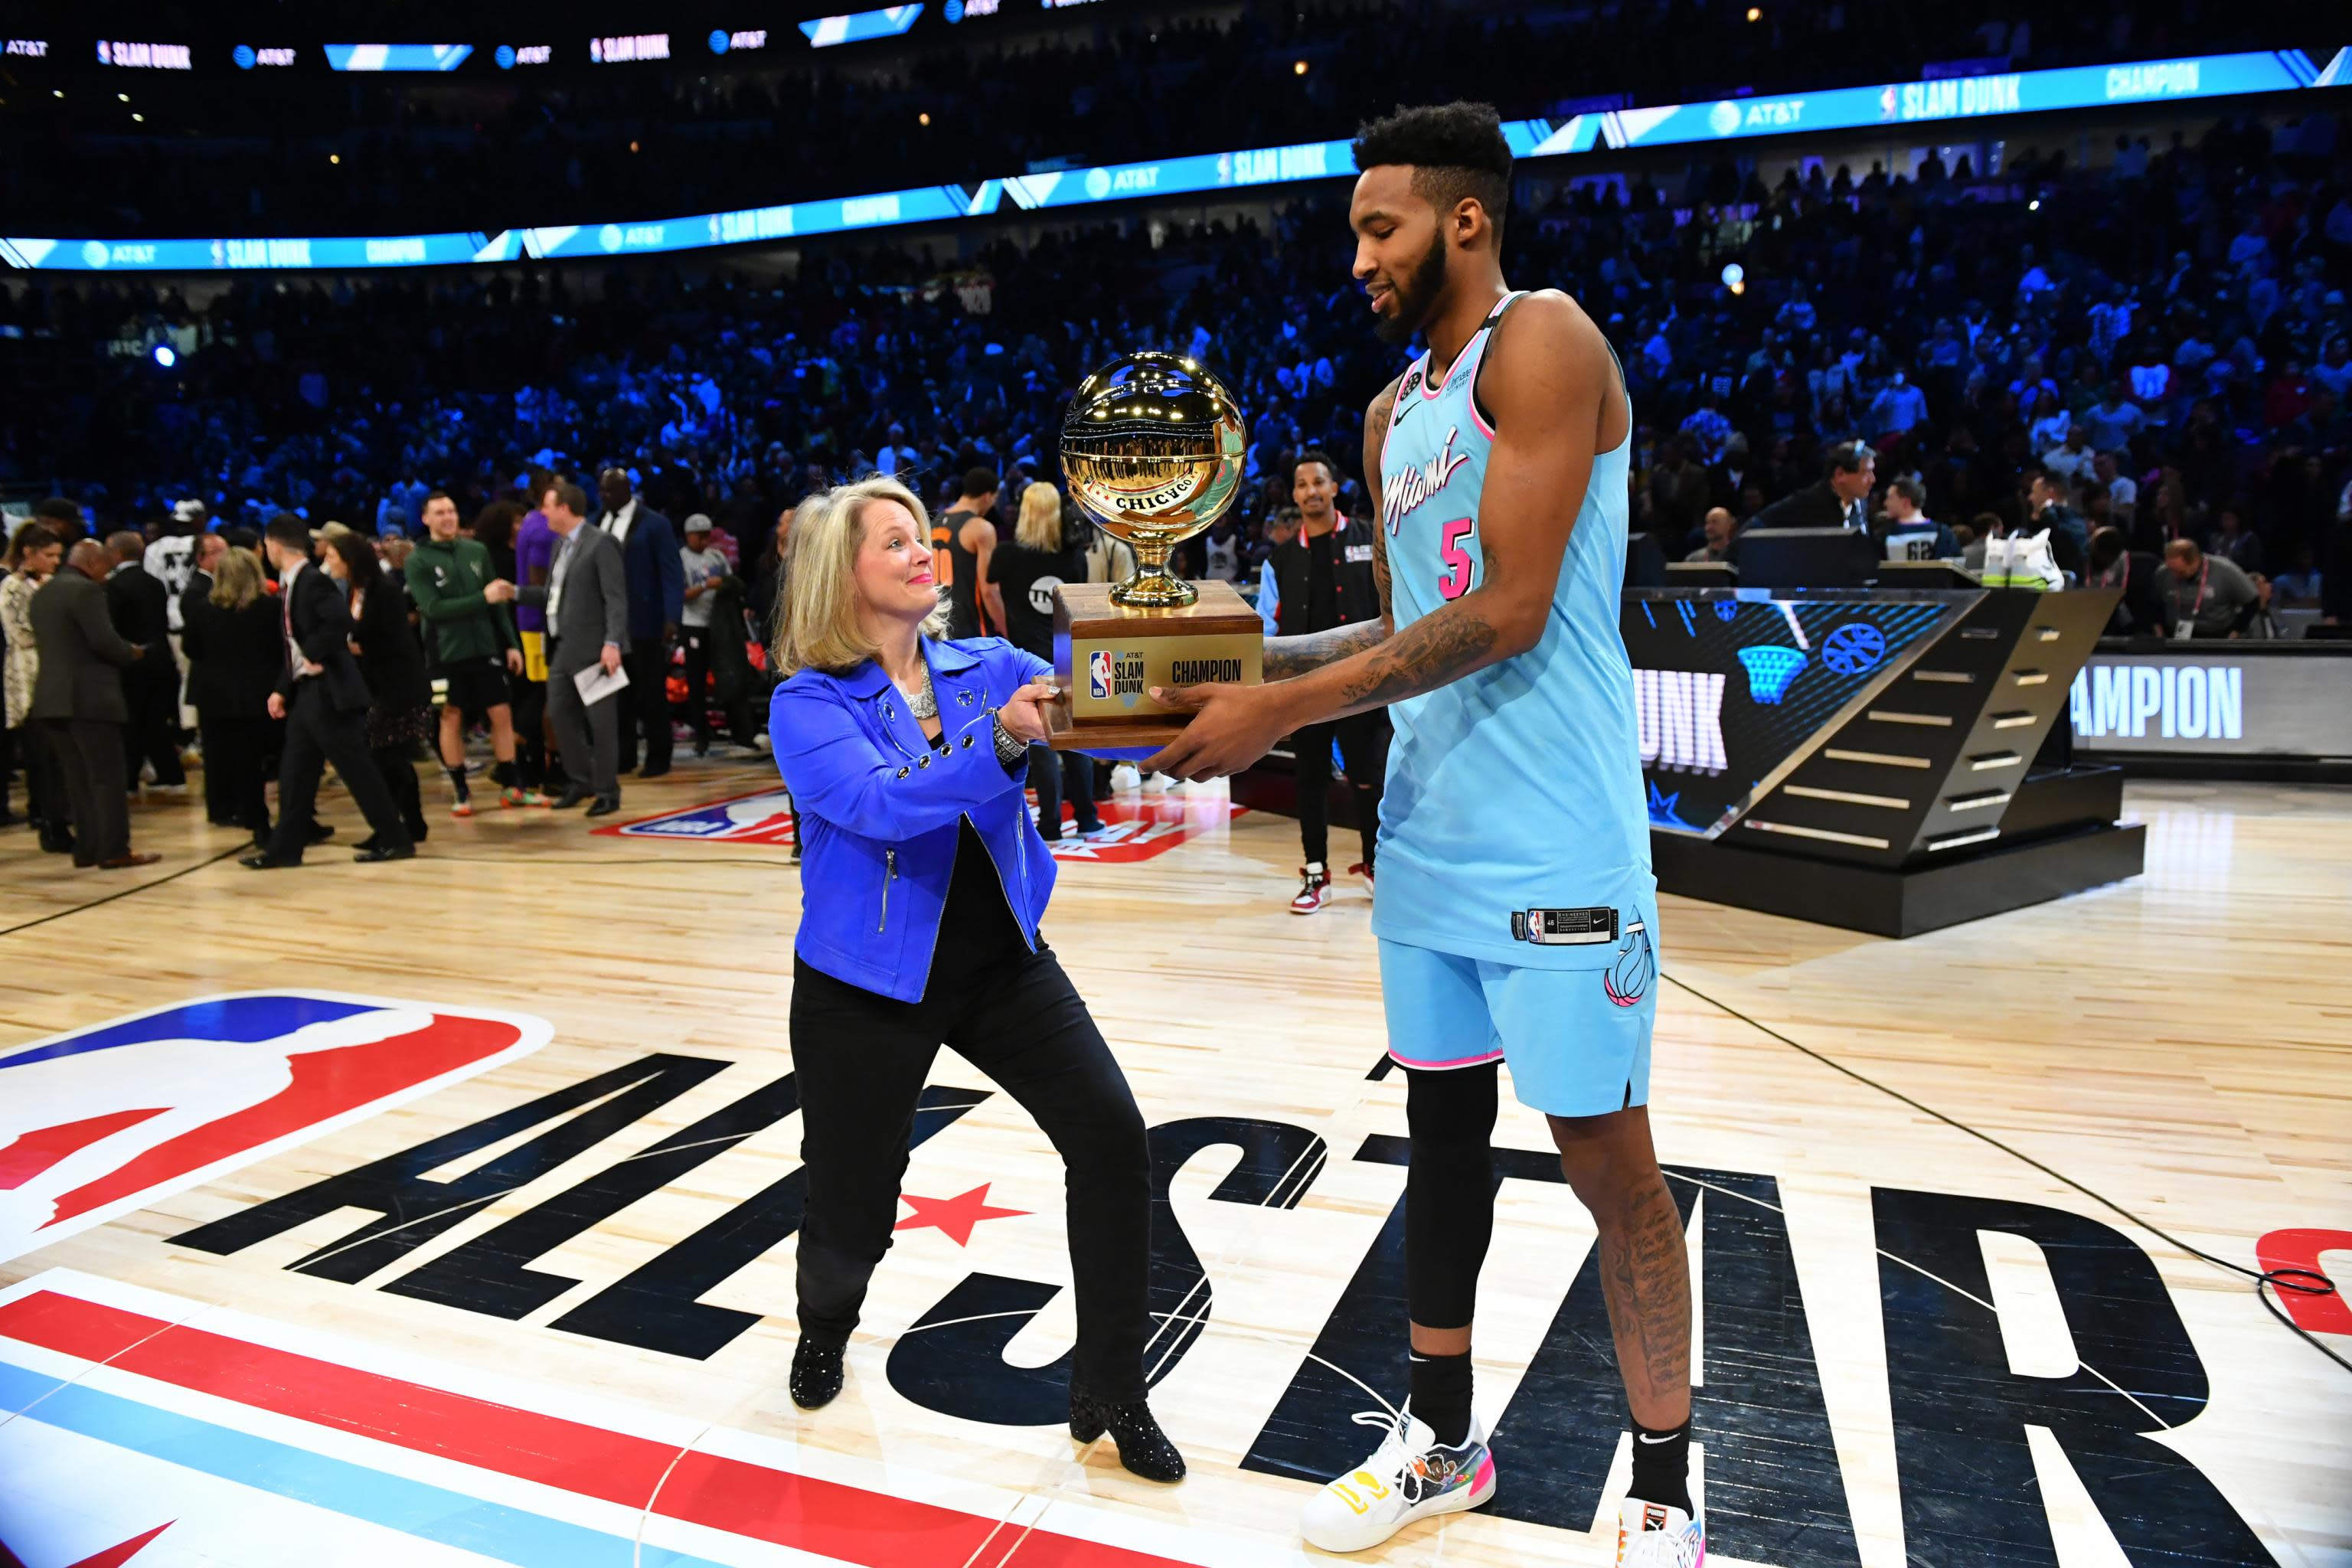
(141, 608)
(657, 585)
(219, 810)
(324, 701)
(586, 601)
(1841, 499)
(77, 700)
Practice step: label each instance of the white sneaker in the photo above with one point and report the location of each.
(1651, 1535)
(1410, 1476)
(1159, 784)
(1124, 777)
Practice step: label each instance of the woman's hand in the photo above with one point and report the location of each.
(1023, 713)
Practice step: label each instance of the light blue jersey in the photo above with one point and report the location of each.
(1518, 787)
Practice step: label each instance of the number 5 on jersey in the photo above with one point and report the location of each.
(1460, 567)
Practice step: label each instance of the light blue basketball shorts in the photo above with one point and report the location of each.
(1577, 1040)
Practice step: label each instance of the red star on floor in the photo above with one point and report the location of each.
(955, 1216)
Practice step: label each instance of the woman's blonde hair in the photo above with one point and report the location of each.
(818, 628)
(236, 579)
(1040, 527)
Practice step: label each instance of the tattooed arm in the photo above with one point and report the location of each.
(1545, 378)
(1288, 657)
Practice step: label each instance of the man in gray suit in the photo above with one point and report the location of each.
(587, 608)
(77, 700)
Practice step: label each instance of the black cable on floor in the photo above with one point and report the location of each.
(126, 892)
(2287, 1279)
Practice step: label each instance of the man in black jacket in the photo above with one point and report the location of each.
(220, 809)
(657, 582)
(77, 700)
(324, 699)
(1321, 579)
(1841, 499)
(141, 608)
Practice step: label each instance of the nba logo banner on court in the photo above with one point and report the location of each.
(101, 1121)
(764, 817)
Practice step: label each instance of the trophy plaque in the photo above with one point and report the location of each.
(1153, 447)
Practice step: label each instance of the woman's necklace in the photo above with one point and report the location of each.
(923, 704)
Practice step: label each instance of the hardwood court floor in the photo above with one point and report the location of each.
(576, 1316)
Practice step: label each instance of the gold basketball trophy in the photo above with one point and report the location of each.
(1153, 447)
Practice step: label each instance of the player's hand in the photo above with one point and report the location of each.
(499, 592)
(514, 661)
(1232, 727)
(277, 705)
(1023, 713)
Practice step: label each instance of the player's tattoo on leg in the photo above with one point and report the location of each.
(1646, 1276)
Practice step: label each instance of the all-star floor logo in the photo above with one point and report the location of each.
(1136, 827)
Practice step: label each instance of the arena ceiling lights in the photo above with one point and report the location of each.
(1892, 105)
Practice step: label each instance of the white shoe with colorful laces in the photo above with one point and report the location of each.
(1410, 1476)
(1651, 1535)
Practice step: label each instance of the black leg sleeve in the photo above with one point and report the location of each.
(1449, 1191)
(1312, 748)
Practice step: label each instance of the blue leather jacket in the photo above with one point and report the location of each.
(879, 812)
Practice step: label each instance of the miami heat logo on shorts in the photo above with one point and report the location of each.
(1627, 980)
(1098, 669)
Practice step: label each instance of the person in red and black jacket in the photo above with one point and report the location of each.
(1321, 579)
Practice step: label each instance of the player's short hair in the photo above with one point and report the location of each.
(1454, 150)
(1314, 455)
(437, 495)
(1911, 490)
(289, 530)
(980, 482)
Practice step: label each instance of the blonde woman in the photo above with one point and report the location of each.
(236, 649)
(922, 883)
(34, 551)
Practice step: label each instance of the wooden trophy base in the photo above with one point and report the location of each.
(1107, 659)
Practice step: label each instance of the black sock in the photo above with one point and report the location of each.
(457, 780)
(503, 775)
(1441, 1394)
(1662, 1466)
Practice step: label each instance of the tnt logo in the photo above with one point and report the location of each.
(763, 819)
(98, 1123)
(1098, 674)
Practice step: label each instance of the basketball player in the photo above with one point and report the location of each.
(1515, 909)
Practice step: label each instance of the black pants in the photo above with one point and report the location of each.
(1364, 746)
(316, 734)
(236, 756)
(153, 736)
(530, 731)
(861, 1058)
(397, 765)
(1051, 774)
(220, 810)
(89, 755)
(646, 705)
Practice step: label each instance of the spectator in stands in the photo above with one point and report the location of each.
(232, 638)
(656, 588)
(1717, 528)
(2123, 493)
(2046, 508)
(2208, 593)
(2231, 538)
(78, 699)
(1908, 532)
(140, 607)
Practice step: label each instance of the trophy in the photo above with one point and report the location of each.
(1152, 448)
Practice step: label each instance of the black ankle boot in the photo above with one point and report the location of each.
(816, 1373)
(1143, 1447)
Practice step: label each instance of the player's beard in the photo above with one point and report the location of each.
(1416, 297)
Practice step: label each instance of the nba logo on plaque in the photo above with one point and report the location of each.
(99, 1122)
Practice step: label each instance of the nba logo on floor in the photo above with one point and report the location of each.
(765, 817)
(99, 1121)
(1098, 673)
